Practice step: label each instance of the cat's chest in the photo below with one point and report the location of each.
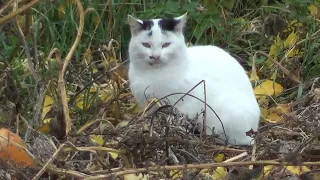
(160, 85)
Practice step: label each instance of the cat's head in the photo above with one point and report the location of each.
(157, 42)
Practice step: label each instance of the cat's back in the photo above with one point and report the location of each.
(211, 55)
(214, 62)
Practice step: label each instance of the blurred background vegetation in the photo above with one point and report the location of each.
(286, 31)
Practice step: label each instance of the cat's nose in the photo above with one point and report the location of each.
(155, 57)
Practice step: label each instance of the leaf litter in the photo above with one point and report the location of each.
(159, 137)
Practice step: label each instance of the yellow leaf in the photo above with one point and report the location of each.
(176, 174)
(295, 24)
(114, 155)
(97, 139)
(46, 120)
(112, 59)
(268, 88)
(298, 169)
(293, 52)
(79, 101)
(313, 9)
(291, 40)
(219, 173)
(219, 157)
(266, 171)
(263, 101)
(264, 113)
(48, 101)
(276, 113)
(106, 93)
(275, 47)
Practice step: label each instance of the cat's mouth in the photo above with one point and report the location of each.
(153, 63)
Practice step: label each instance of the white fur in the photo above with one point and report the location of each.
(228, 89)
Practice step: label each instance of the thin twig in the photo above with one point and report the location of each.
(283, 69)
(43, 169)
(18, 11)
(36, 76)
(244, 154)
(62, 70)
(5, 7)
(187, 94)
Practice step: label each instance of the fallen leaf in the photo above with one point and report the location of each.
(219, 173)
(97, 139)
(293, 52)
(85, 101)
(114, 155)
(264, 113)
(313, 9)
(268, 88)
(275, 114)
(276, 47)
(106, 92)
(298, 169)
(13, 149)
(174, 174)
(291, 40)
(219, 157)
(48, 102)
(266, 171)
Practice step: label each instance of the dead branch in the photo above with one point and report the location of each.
(18, 11)
(62, 70)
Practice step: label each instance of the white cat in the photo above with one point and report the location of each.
(162, 64)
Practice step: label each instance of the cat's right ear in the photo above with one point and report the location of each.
(135, 24)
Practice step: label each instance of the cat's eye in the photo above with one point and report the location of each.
(147, 45)
(166, 45)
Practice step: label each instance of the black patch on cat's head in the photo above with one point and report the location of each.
(147, 25)
(168, 24)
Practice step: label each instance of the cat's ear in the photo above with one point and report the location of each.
(135, 24)
(182, 22)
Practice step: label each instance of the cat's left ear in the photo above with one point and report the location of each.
(182, 21)
(135, 24)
